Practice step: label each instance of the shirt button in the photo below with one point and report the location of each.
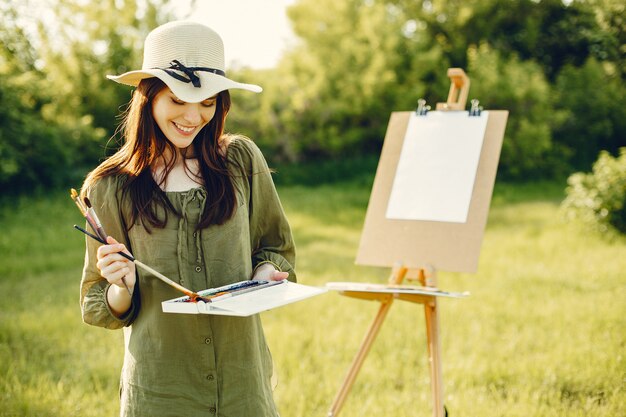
(198, 268)
(207, 340)
(210, 377)
(195, 234)
(212, 409)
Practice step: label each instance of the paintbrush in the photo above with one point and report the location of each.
(79, 204)
(94, 217)
(85, 211)
(192, 295)
(94, 222)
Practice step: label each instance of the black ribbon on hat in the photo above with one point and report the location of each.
(190, 72)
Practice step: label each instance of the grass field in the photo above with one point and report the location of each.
(543, 333)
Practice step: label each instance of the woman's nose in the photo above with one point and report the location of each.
(192, 113)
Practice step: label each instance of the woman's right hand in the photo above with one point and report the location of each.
(113, 267)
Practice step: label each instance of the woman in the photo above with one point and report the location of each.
(198, 206)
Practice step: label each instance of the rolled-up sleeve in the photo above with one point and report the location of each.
(270, 234)
(105, 198)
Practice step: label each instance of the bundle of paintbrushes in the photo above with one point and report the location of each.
(100, 235)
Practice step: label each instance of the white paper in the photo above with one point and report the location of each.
(246, 304)
(437, 167)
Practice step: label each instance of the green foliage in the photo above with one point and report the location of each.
(599, 198)
(56, 107)
(331, 95)
(38, 151)
(549, 32)
(612, 29)
(329, 101)
(590, 101)
(358, 170)
(93, 39)
(518, 86)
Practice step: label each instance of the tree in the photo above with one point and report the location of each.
(551, 32)
(519, 86)
(361, 59)
(90, 40)
(356, 61)
(56, 107)
(590, 100)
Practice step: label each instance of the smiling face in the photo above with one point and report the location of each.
(179, 121)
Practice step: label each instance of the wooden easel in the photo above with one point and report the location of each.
(459, 90)
(427, 278)
(426, 275)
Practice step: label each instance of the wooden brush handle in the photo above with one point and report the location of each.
(168, 281)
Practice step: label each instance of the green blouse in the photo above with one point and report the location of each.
(193, 365)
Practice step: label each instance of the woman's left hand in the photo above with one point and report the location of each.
(267, 272)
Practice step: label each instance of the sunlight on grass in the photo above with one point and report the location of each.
(542, 333)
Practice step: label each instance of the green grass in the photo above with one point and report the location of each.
(543, 333)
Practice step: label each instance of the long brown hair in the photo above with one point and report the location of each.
(145, 143)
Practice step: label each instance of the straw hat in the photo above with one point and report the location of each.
(189, 58)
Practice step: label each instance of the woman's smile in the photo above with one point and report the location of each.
(185, 130)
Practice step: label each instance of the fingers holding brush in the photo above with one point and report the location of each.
(118, 271)
(113, 266)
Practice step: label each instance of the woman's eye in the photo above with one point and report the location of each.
(208, 103)
(177, 101)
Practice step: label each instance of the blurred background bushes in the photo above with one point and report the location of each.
(558, 66)
(599, 198)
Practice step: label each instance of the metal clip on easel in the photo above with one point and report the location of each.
(422, 108)
(475, 110)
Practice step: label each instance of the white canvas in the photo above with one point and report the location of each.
(437, 167)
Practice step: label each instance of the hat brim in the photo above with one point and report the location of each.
(210, 84)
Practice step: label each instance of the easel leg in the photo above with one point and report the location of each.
(372, 332)
(434, 347)
(358, 360)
